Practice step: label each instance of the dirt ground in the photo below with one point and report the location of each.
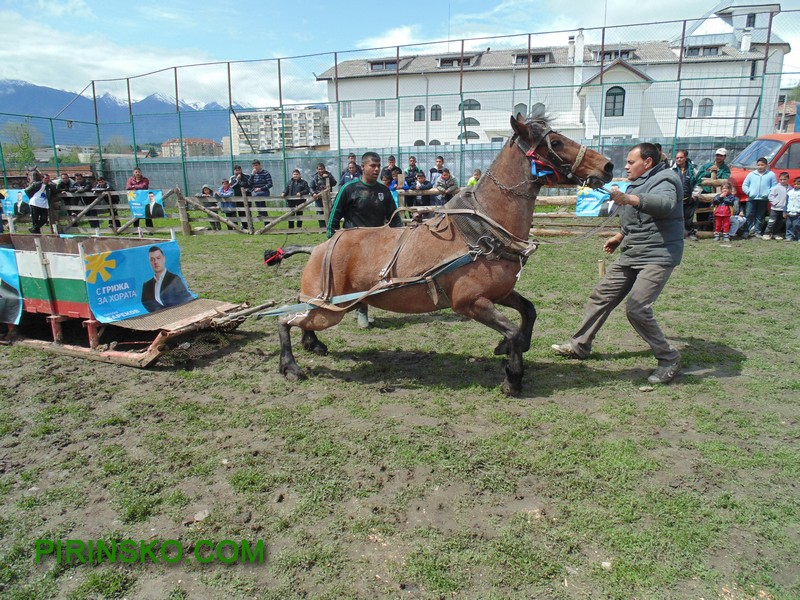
(399, 469)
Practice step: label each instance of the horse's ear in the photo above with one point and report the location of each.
(519, 127)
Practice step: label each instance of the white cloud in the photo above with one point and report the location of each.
(53, 9)
(397, 36)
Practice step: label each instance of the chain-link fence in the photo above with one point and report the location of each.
(694, 84)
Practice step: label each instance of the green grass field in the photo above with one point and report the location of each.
(399, 470)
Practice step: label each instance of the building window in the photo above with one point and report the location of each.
(383, 65)
(521, 109)
(685, 108)
(469, 105)
(751, 20)
(710, 50)
(454, 62)
(347, 109)
(615, 102)
(693, 52)
(419, 143)
(468, 135)
(436, 113)
(419, 113)
(380, 108)
(434, 143)
(468, 121)
(706, 107)
(608, 55)
(752, 70)
(524, 59)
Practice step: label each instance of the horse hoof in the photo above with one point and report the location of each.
(293, 373)
(510, 389)
(320, 350)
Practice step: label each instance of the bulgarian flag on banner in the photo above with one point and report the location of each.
(62, 291)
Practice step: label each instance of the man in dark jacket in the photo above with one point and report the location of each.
(294, 192)
(685, 170)
(651, 246)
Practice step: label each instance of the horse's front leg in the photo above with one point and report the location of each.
(527, 311)
(484, 311)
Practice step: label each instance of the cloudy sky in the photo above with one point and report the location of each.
(67, 44)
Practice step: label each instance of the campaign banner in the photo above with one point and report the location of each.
(10, 296)
(15, 202)
(146, 204)
(597, 203)
(131, 282)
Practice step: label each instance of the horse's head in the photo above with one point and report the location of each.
(571, 161)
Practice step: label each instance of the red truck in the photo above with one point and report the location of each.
(782, 151)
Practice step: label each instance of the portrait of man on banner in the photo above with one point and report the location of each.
(148, 204)
(15, 203)
(10, 296)
(597, 203)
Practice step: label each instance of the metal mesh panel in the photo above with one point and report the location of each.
(694, 84)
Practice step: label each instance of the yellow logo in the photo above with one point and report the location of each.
(98, 264)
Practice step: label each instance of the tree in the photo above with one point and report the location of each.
(117, 145)
(794, 93)
(23, 140)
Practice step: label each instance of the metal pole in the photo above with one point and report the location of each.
(283, 122)
(55, 148)
(180, 131)
(97, 129)
(133, 127)
(230, 111)
(3, 164)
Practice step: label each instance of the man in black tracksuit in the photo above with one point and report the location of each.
(364, 202)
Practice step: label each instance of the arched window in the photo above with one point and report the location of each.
(469, 105)
(468, 121)
(434, 143)
(419, 113)
(706, 107)
(521, 109)
(615, 102)
(685, 108)
(419, 143)
(436, 113)
(468, 135)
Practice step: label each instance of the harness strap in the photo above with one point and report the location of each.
(326, 266)
(398, 247)
(578, 159)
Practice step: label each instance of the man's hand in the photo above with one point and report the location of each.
(622, 198)
(611, 243)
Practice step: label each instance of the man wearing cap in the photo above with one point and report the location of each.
(721, 171)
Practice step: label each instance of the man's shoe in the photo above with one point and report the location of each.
(778, 237)
(665, 374)
(766, 237)
(566, 351)
(362, 315)
(692, 237)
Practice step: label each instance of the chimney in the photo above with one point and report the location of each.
(747, 37)
(571, 49)
(579, 48)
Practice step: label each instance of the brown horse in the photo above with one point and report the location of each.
(467, 257)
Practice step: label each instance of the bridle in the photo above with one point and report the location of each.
(551, 158)
(547, 168)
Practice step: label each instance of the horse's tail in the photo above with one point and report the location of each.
(274, 257)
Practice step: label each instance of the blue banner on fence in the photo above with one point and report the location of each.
(10, 296)
(127, 283)
(597, 203)
(147, 204)
(15, 203)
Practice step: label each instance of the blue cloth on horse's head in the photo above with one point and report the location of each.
(540, 169)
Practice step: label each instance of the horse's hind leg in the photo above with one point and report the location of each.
(484, 311)
(312, 344)
(526, 309)
(288, 365)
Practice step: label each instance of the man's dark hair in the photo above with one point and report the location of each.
(446, 170)
(685, 153)
(320, 165)
(762, 159)
(154, 249)
(237, 167)
(784, 173)
(391, 157)
(369, 157)
(648, 150)
(440, 158)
